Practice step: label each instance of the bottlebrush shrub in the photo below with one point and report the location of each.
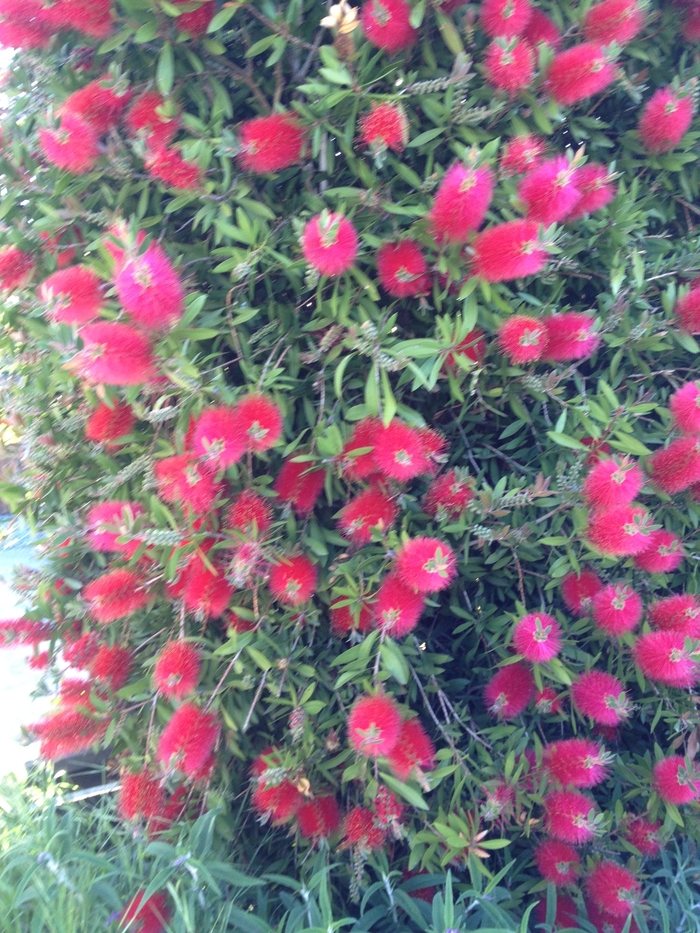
(355, 400)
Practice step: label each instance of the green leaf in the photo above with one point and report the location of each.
(409, 794)
(165, 71)
(565, 441)
(394, 661)
(222, 17)
(425, 137)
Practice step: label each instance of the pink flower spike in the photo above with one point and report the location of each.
(685, 408)
(537, 637)
(426, 564)
(602, 697)
(663, 555)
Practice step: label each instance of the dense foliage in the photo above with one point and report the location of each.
(351, 361)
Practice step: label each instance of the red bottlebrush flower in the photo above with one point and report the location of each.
(147, 118)
(301, 484)
(150, 290)
(39, 662)
(448, 496)
(690, 29)
(93, 19)
(614, 889)
(685, 408)
(617, 21)
(664, 554)
(568, 816)
(506, 18)
(521, 154)
(372, 510)
(473, 347)
(612, 482)
(537, 637)
(67, 732)
(329, 243)
(140, 795)
(98, 103)
(114, 353)
(361, 465)
(509, 251)
(384, 127)
(677, 467)
(386, 24)
(120, 241)
(19, 31)
(398, 607)
(259, 422)
(435, 447)
(566, 912)
(196, 22)
(540, 28)
(557, 862)
(547, 701)
(72, 147)
(16, 267)
(578, 591)
(665, 120)
(388, 809)
(183, 479)
(399, 453)
(206, 591)
(644, 835)
(679, 613)
(108, 521)
(578, 73)
(111, 665)
(23, 631)
(351, 616)
(595, 184)
(571, 336)
(687, 310)
(249, 514)
(499, 801)
(602, 697)
(143, 915)
(358, 830)
(74, 295)
(270, 144)
(217, 438)
(523, 339)
(188, 740)
(676, 780)
(319, 818)
(402, 269)
(616, 609)
(177, 668)
(293, 580)
(509, 65)
(509, 691)
(274, 795)
(374, 725)
(576, 762)
(413, 751)
(461, 202)
(663, 657)
(167, 164)
(426, 564)
(117, 594)
(80, 651)
(622, 531)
